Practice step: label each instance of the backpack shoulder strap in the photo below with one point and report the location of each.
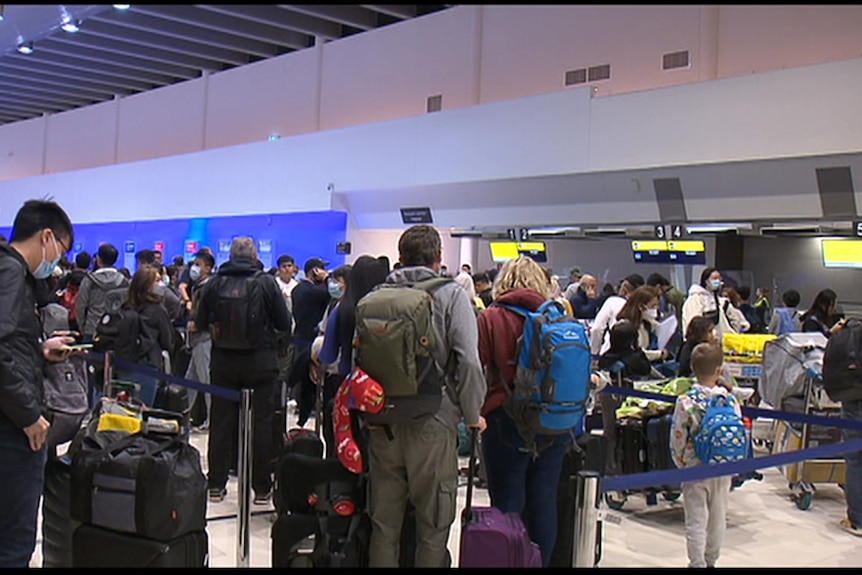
(431, 284)
(513, 308)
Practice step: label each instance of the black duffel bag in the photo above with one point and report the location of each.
(149, 484)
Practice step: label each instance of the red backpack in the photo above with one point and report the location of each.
(70, 296)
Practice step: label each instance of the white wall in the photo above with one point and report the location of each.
(470, 54)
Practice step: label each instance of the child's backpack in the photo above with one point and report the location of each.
(239, 315)
(552, 378)
(394, 345)
(788, 321)
(722, 436)
(120, 331)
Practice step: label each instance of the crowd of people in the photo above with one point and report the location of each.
(307, 340)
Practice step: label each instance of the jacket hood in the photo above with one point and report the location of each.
(523, 297)
(411, 275)
(699, 290)
(108, 278)
(240, 266)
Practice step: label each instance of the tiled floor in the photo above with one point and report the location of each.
(764, 529)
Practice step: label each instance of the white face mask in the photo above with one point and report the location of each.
(651, 314)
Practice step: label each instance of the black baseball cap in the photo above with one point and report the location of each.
(312, 263)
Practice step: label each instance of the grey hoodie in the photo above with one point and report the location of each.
(92, 296)
(457, 331)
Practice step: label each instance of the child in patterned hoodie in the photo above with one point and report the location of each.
(704, 501)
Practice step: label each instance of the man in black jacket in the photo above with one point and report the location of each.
(310, 298)
(41, 234)
(237, 364)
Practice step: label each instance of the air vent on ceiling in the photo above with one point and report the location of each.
(578, 76)
(801, 230)
(435, 103)
(675, 60)
(606, 232)
(602, 72)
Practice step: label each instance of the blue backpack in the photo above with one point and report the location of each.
(788, 321)
(722, 436)
(552, 378)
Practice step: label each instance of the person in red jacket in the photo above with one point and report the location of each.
(517, 482)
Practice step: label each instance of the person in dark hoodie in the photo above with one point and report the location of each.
(517, 482)
(255, 368)
(92, 302)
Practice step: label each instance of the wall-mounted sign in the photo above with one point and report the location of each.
(224, 246)
(159, 247)
(130, 247)
(191, 246)
(416, 215)
(343, 248)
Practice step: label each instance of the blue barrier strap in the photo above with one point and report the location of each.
(222, 392)
(748, 411)
(676, 476)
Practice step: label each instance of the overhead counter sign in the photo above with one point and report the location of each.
(416, 216)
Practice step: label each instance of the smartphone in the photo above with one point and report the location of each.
(77, 347)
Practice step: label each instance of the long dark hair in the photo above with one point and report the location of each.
(824, 300)
(367, 273)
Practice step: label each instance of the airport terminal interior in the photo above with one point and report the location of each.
(615, 139)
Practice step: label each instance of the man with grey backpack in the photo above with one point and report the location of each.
(412, 442)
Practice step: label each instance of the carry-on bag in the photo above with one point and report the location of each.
(57, 524)
(587, 453)
(658, 442)
(309, 484)
(146, 483)
(631, 447)
(98, 547)
(172, 397)
(491, 538)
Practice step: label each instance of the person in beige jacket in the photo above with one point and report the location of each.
(704, 299)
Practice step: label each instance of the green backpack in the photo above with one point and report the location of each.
(394, 345)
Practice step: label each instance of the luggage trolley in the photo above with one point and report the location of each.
(639, 445)
(803, 475)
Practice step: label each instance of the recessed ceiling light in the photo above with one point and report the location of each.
(2, 12)
(25, 47)
(122, 6)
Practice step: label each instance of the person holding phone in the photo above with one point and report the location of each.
(41, 234)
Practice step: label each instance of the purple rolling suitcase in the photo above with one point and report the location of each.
(491, 538)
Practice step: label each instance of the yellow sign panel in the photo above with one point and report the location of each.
(530, 247)
(686, 246)
(502, 251)
(841, 253)
(649, 246)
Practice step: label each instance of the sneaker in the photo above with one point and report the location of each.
(217, 495)
(262, 499)
(847, 526)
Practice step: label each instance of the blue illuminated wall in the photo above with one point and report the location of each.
(302, 235)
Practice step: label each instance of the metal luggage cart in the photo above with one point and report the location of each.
(617, 499)
(803, 475)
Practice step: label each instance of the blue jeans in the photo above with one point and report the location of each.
(518, 483)
(22, 477)
(853, 483)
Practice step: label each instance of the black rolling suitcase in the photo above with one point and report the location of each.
(631, 447)
(658, 442)
(57, 524)
(172, 397)
(588, 453)
(98, 547)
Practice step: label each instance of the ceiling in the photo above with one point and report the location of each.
(121, 52)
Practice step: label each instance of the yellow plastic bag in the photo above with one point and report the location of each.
(745, 347)
(117, 422)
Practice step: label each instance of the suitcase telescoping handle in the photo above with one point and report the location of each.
(467, 514)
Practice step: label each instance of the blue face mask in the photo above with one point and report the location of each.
(195, 273)
(46, 268)
(715, 285)
(335, 290)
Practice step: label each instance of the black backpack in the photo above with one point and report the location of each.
(842, 363)
(120, 331)
(239, 312)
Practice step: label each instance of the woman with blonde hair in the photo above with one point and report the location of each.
(518, 482)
